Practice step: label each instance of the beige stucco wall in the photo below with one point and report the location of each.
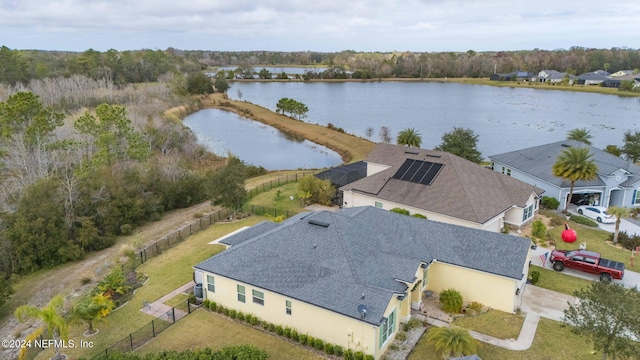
(495, 291)
(353, 199)
(308, 319)
(514, 215)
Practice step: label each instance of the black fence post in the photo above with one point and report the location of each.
(131, 341)
(173, 314)
(188, 307)
(153, 328)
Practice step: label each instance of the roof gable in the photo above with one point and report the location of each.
(459, 188)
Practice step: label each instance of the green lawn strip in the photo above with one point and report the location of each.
(494, 323)
(274, 176)
(534, 85)
(166, 272)
(270, 199)
(206, 329)
(557, 281)
(553, 341)
(179, 300)
(595, 239)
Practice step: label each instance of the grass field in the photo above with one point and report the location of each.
(494, 323)
(553, 341)
(557, 281)
(166, 272)
(280, 201)
(206, 329)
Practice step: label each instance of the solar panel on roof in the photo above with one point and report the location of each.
(418, 171)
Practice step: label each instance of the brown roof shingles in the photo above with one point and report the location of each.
(462, 189)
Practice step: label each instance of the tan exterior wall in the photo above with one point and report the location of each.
(305, 318)
(373, 168)
(495, 291)
(353, 199)
(514, 215)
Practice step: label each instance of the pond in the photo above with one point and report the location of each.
(222, 132)
(504, 118)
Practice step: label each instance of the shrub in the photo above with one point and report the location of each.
(419, 216)
(475, 306)
(303, 339)
(225, 311)
(358, 355)
(240, 316)
(337, 349)
(295, 336)
(328, 348)
(583, 220)
(369, 357)
(272, 327)
(311, 341)
(126, 229)
(232, 313)
(550, 203)
(319, 344)
(279, 330)
(348, 355)
(252, 320)
(411, 324)
(400, 211)
(213, 306)
(555, 221)
(628, 242)
(287, 332)
(538, 229)
(451, 301)
(535, 277)
(206, 303)
(265, 325)
(401, 336)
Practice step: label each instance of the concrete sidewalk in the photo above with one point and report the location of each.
(158, 309)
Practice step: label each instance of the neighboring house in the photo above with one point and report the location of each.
(342, 175)
(616, 184)
(350, 277)
(553, 77)
(443, 187)
(513, 76)
(615, 80)
(592, 78)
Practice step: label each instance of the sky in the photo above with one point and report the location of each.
(319, 25)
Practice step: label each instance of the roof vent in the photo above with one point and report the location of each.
(411, 152)
(318, 223)
(362, 310)
(565, 145)
(433, 156)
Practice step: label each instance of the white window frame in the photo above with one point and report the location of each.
(258, 297)
(241, 294)
(287, 307)
(211, 283)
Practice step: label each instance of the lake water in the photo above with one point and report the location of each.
(255, 143)
(504, 118)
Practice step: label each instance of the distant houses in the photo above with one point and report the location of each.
(598, 77)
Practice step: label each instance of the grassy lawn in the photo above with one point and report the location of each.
(281, 202)
(553, 341)
(494, 323)
(177, 301)
(206, 329)
(166, 272)
(274, 175)
(522, 84)
(557, 281)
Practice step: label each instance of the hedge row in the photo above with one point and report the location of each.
(289, 333)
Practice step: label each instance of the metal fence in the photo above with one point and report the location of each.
(283, 180)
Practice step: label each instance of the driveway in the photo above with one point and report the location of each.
(546, 303)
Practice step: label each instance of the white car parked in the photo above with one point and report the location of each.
(597, 213)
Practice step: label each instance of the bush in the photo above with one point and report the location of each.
(555, 221)
(232, 313)
(400, 211)
(319, 344)
(213, 306)
(311, 341)
(265, 325)
(348, 355)
(401, 336)
(271, 327)
(583, 220)
(225, 311)
(279, 330)
(628, 242)
(252, 320)
(358, 355)
(475, 306)
(538, 229)
(287, 332)
(337, 349)
(550, 203)
(419, 216)
(295, 336)
(369, 357)
(328, 348)
(206, 303)
(451, 301)
(303, 339)
(535, 277)
(240, 316)
(411, 324)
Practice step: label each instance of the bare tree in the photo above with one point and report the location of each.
(385, 135)
(369, 132)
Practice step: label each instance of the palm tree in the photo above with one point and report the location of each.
(451, 341)
(53, 321)
(574, 164)
(619, 213)
(94, 308)
(409, 137)
(582, 135)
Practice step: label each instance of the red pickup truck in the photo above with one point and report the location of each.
(587, 261)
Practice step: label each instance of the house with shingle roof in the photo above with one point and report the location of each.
(443, 187)
(617, 183)
(553, 77)
(350, 277)
(592, 78)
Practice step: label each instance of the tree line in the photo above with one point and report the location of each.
(124, 67)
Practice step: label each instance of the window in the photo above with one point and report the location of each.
(527, 213)
(636, 194)
(503, 169)
(287, 306)
(425, 277)
(508, 172)
(258, 297)
(241, 296)
(211, 283)
(378, 205)
(387, 328)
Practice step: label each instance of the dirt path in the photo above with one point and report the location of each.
(37, 289)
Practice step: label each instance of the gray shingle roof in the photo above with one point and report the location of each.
(363, 250)
(462, 189)
(538, 160)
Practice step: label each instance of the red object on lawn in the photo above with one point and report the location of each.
(569, 235)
